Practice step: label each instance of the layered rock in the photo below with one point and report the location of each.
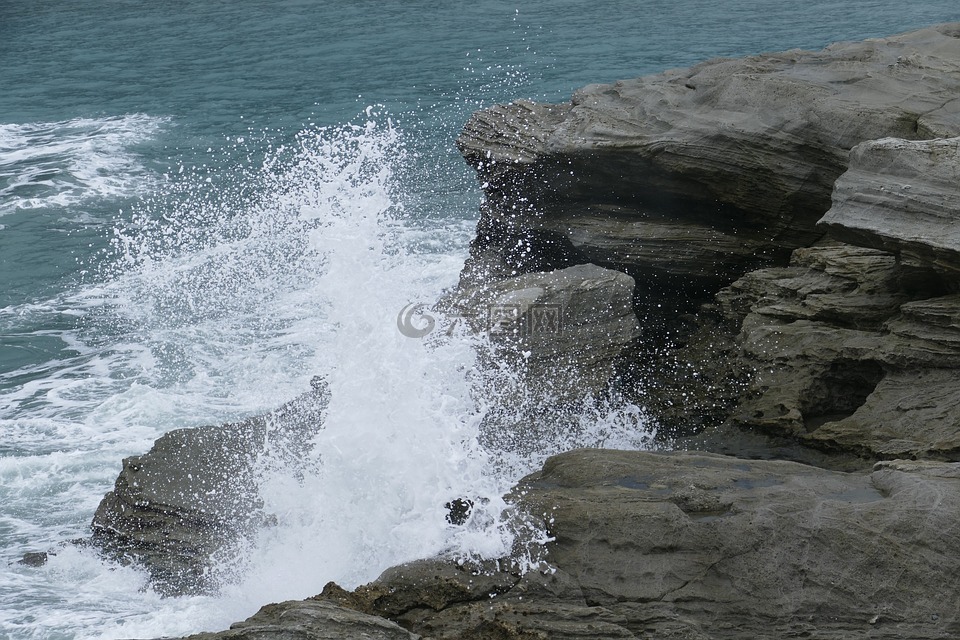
(194, 494)
(693, 546)
(859, 347)
(847, 355)
(689, 178)
(903, 197)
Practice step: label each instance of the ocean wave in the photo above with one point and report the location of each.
(58, 164)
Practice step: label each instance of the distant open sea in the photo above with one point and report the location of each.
(204, 203)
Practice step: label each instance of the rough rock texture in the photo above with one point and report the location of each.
(697, 546)
(194, 493)
(691, 177)
(903, 197)
(712, 547)
(310, 620)
(540, 323)
(851, 350)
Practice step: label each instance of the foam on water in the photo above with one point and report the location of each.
(56, 164)
(225, 302)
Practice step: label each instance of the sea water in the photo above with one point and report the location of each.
(203, 205)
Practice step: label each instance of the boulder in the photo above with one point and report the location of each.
(902, 196)
(194, 494)
(562, 330)
(689, 178)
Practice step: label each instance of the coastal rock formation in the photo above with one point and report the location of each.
(852, 350)
(859, 347)
(805, 182)
(689, 178)
(693, 546)
(194, 493)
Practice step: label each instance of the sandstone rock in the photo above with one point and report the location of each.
(194, 495)
(689, 178)
(902, 196)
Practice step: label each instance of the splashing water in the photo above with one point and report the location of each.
(225, 298)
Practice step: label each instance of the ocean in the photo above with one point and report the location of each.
(205, 204)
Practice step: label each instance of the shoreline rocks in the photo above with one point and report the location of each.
(901, 196)
(686, 545)
(689, 178)
(538, 323)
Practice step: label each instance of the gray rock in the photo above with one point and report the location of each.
(698, 546)
(310, 620)
(689, 178)
(847, 357)
(194, 494)
(562, 330)
(34, 558)
(718, 547)
(902, 196)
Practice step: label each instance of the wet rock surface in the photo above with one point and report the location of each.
(193, 495)
(697, 546)
(540, 322)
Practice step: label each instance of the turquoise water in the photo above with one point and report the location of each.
(204, 204)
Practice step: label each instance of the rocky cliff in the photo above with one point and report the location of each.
(791, 221)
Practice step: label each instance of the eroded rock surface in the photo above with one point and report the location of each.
(716, 176)
(691, 177)
(904, 197)
(697, 546)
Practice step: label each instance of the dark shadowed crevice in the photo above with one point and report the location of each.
(839, 392)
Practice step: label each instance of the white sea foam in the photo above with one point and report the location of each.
(227, 304)
(57, 164)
